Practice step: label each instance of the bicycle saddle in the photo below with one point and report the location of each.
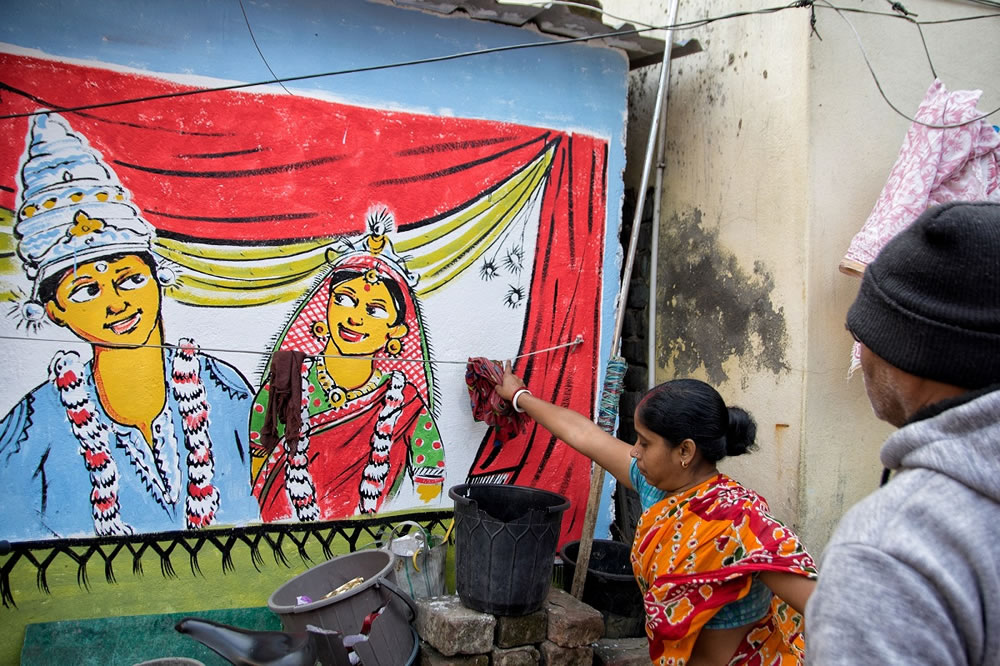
(267, 648)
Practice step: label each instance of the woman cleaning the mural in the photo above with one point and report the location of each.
(113, 430)
(724, 582)
(367, 408)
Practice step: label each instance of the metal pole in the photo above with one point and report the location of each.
(654, 247)
(597, 475)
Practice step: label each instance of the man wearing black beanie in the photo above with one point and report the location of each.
(912, 573)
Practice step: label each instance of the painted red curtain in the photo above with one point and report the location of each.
(564, 302)
(237, 167)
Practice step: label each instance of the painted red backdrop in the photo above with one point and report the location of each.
(242, 168)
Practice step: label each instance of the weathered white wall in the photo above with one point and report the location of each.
(782, 143)
(735, 197)
(854, 140)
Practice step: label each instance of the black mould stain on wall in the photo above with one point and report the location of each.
(711, 308)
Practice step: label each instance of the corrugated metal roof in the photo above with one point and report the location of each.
(558, 20)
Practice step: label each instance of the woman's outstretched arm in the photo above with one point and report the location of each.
(571, 427)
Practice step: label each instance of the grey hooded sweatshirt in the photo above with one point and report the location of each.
(912, 573)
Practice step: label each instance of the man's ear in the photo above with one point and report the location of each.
(55, 313)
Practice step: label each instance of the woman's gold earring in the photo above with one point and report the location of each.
(393, 347)
(685, 464)
(320, 330)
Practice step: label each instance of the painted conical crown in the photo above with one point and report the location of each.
(73, 207)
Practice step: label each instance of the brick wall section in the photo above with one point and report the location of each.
(431, 657)
(452, 629)
(634, 347)
(515, 630)
(526, 655)
(557, 655)
(562, 633)
(572, 623)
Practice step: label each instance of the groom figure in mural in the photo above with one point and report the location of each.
(143, 437)
(367, 419)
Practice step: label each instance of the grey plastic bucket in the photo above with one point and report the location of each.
(505, 546)
(391, 641)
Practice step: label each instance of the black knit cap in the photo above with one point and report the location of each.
(929, 303)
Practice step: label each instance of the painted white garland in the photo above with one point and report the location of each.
(70, 378)
(91, 428)
(377, 469)
(300, 486)
(202, 501)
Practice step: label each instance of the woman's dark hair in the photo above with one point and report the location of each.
(47, 288)
(691, 409)
(342, 275)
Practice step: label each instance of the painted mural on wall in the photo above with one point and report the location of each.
(240, 293)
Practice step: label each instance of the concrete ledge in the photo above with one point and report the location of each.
(621, 652)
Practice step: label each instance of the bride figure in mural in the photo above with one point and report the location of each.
(367, 392)
(143, 437)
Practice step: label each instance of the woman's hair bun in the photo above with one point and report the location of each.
(741, 435)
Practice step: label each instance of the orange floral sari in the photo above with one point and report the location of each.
(695, 552)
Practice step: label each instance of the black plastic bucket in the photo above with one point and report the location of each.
(391, 641)
(610, 586)
(505, 546)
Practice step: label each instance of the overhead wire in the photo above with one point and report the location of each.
(927, 51)
(319, 75)
(684, 25)
(986, 3)
(257, 46)
(958, 19)
(899, 12)
(878, 84)
(872, 12)
(905, 13)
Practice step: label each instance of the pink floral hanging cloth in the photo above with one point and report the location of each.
(934, 166)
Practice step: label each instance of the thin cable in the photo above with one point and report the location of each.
(986, 3)
(305, 77)
(878, 84)
(905, 13)
(422, 61)
(687, 25)
(926, 50)
(899, 8)
(257, 46)
(957, 19)
(578, 340)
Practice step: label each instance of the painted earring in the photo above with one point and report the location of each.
(393, 347)
(319, 330)
(165, 276)
(32, 311)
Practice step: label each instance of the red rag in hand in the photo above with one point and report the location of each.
(482, 376)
